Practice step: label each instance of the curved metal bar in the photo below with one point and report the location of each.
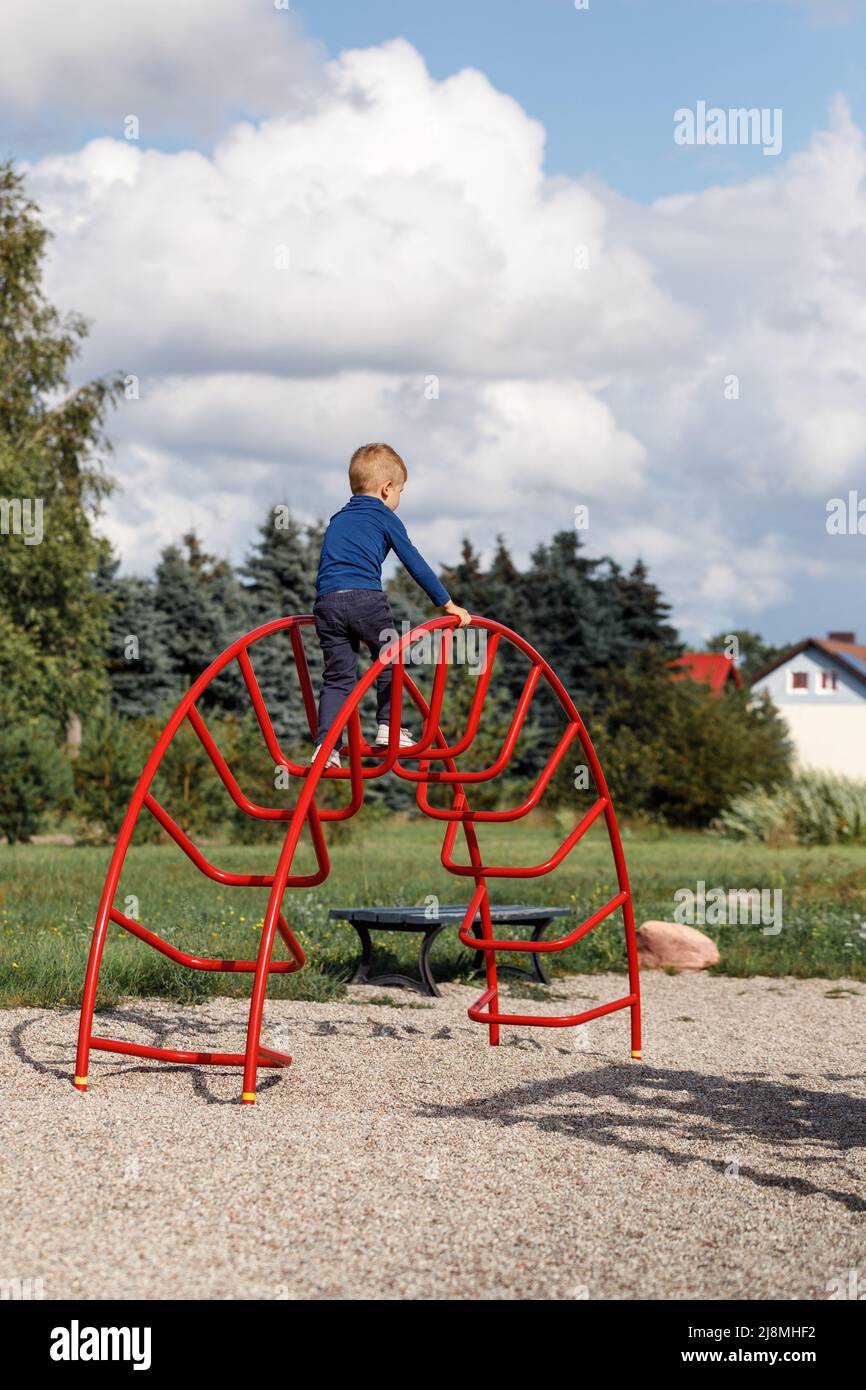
(473, 718)
(192, 852)
(165, 948)
(261, 712)
(251, 808)
(478, 1013)
(444, 813)
(431, 748)
(560, 943)
(303, 670)
(267, 1057)
(487, 774)
(523, 871)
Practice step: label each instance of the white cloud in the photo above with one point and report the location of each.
(423, 239)
(174, 65)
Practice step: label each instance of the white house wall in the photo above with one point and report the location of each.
(828, 729)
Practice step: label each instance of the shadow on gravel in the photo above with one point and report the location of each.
(644, 1101)
(692, 1107)
(107, 1064)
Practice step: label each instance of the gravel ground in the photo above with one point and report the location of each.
(401, 1157)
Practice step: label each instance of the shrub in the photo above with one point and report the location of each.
(110, 759)
(36, 777)
(670, 751)
(757, 815)
(816, 808)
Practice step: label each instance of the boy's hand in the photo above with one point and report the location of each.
(457, 612)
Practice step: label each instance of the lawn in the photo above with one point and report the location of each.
(49, 893)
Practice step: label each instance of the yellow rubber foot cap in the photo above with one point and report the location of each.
(638, 1055)
(81, 1081)
(248, 1097)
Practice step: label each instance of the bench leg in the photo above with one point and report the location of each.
(537, 972)
(424, 960)
(426, 985)
(362, 969)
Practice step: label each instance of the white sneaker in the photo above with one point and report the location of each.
(333, 760)
(406, 737)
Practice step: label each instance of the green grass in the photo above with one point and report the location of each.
(49, 895)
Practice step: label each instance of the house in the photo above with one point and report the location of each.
(708, 668)
(819, 686)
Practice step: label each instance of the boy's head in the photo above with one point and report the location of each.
(377, 470)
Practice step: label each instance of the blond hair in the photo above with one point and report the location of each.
(375, 464)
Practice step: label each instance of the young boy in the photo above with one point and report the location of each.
(351, 607)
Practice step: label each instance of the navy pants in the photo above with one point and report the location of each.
(345, 619)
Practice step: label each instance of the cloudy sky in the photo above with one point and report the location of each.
(469, 230)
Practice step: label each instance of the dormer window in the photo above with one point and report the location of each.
(798, 681)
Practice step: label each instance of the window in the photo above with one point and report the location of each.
(828, 683)
(798, 681)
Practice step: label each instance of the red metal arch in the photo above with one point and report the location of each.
(436, 763)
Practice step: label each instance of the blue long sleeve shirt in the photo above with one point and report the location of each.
(358, 538)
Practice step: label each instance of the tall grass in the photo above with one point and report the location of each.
(815, 808)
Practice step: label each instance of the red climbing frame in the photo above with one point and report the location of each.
(435, 762)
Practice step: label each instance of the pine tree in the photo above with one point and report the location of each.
(280, 579)
(136, 653)
(466, 581)
(643, 610)
(569, 618)
(202, 608)
(279, 575)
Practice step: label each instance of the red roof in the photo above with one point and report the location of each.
(837, 648)
(709, 668)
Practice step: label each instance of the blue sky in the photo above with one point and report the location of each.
(605, 81)
(431, 232)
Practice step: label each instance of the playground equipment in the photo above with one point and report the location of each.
(435, 762)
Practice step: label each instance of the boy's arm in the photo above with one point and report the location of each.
(420, 571)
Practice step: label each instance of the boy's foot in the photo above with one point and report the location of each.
(333, 760)
(406, 737)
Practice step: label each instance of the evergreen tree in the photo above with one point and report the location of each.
(643, 610)
(466, 581)
(36, 776)
(572, 620)
(280, 578)
(279, 573)
(506, 597)
(202, 608)
(136, 654)
(113, 752)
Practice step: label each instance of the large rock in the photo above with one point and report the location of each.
(676, 946)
